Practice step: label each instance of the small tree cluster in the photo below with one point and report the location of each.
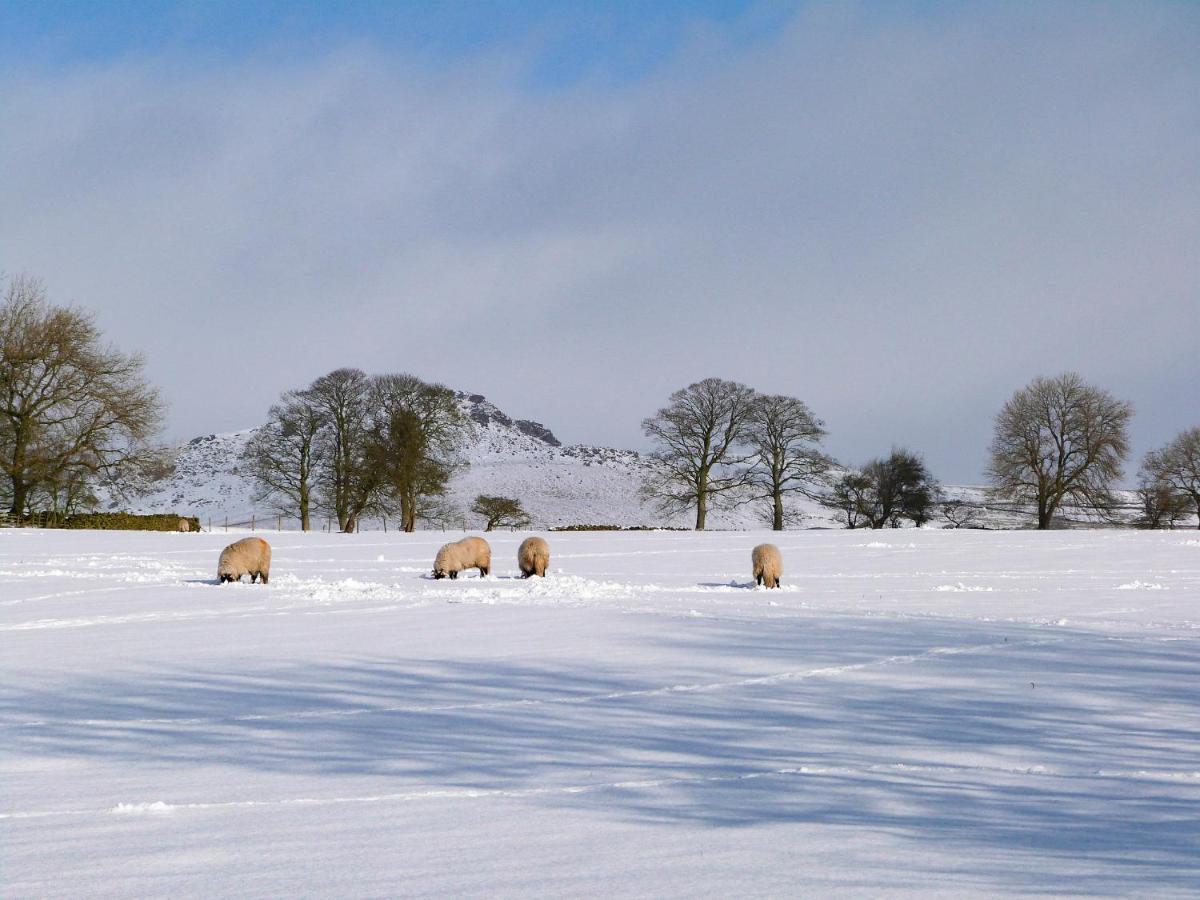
(1169, 482)
(886, 492)
(720, 439)
(350, 444)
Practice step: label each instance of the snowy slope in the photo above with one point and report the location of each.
(558, 485)
(918, 713)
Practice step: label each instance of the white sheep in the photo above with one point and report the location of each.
(249, 556)
(533, 557)
(469, 553)
(768, 565)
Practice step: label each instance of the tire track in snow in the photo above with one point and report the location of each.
(813, 770)
(580, 699)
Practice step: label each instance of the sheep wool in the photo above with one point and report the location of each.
(469, 553)
(249, 556)
(533, 557)
(767, 564)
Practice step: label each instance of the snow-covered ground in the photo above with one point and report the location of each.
(925, 712)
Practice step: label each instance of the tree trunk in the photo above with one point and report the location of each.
(305, 517)
(777, 514)
(1046, 509)
(701, 510)
(20, 493)
(408, 512)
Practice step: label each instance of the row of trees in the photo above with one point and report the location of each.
(1056, 441)
(77, 414)
(722, 444)
(721, 440)
(351, 444)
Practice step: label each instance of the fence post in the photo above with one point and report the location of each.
(279, 523)
(253, 522)
(385, 523)
(227, 523)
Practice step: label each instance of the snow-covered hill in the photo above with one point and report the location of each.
(558, 485)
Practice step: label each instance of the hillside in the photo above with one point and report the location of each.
(559, 485)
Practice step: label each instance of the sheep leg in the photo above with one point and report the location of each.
(453, 575)
(264, 577)
(483, 571)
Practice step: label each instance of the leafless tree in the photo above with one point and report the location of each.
(783, 436)
(851, 496)
(1175, 470)
(698, 435)
(347, 483)
(286, 454)
(959, 513)
(500, 511)
(72, 409)
(1058, 439)
(1162, 504)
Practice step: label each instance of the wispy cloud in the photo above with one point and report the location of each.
(898, 220)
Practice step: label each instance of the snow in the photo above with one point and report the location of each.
(957, 713)
(557, 485)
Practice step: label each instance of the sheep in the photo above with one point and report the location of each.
(249, 556)
(533, 557)
(469, 553)
(768, 565)
(185, 525)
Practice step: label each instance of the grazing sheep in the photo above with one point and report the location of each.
(533, 557)
(185, 525)
(249, 556)
(469, 553)
(768, 565)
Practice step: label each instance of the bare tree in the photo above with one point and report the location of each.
(959, 512)
(783, 436)
(412, 440)
(1058, 439)
(697, 435)
(851, 496)
(500, 511)
(341, 400)
(1162, 504)
(1179, 467)
(286, 454)
(72, 410)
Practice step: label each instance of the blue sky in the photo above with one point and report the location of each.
(900, 213)
(563, 42)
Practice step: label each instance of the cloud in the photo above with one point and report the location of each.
(899, 219)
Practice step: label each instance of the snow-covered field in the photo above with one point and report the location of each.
(926, 712)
